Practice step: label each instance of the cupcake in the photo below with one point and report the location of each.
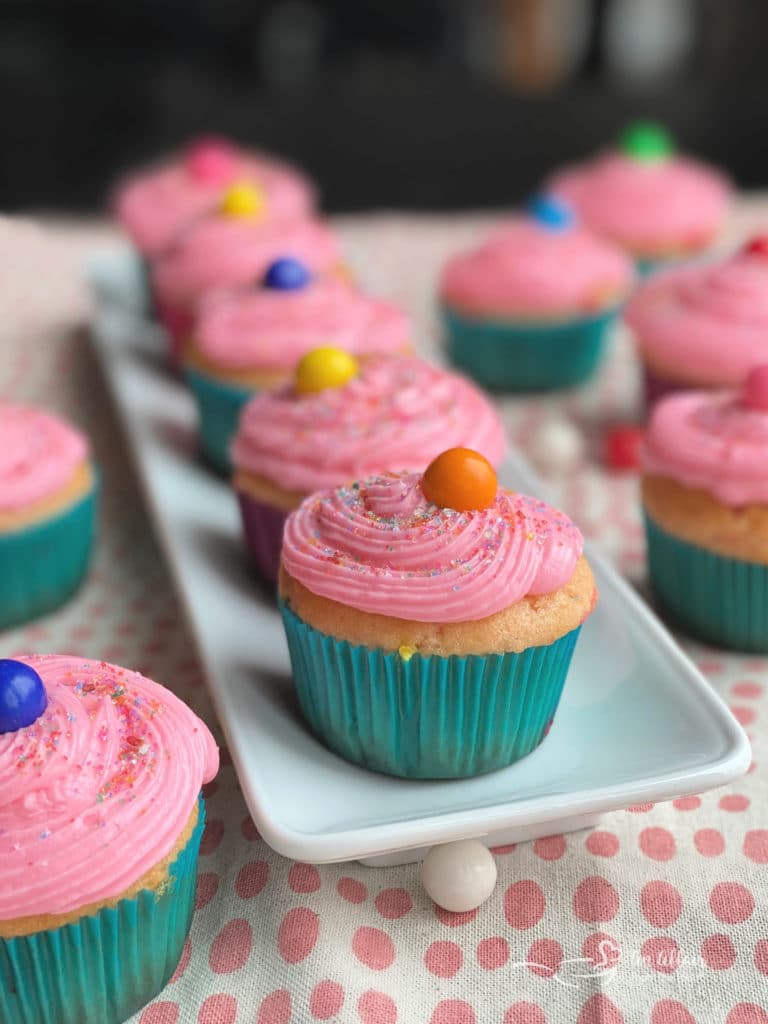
(705, 500)
(341, 420)
(431, 618)
(100, 824)
(155, 205)
(658, 206)
(705, 326)
(253, 340)
(530, 308)
(229, 250)
(48, 491)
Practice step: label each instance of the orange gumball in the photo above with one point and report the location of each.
(461, 479)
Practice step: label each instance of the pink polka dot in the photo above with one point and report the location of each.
(524, 904)
(545, 957)
(251, 879)
(453, 1011)
(709, 842)
(669, 1011)
(756, 845)
(376, 1008)
(326, 1000)
(718, 952)
(661, 953)
(297, 934)
(747, 1013)
(276, 1008)
(641, 808)
(600, 1009)
(393, 903)
(710, 668)
(748, 690)
(602, 844)
(761, 956)
(492, 953)
(351, 890)
(207, 887)
(687, 803)
(212, 836)
(660, 903)
(595, 899)
(453, 918)
(304, 878)
(550, 847)
(231, 947)
(249, 830)
(733, 803)
(602, 949)
(164, 1012)
(524, 1013)
(657, 843)
(218, 1009)
(374, 948)
(186, 955)
(743, 715)
(443, 959)
(731, 902)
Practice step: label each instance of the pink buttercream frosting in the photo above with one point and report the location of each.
(268, 328)
(710, 441)
(154, 206)
(399, 413)
(39, 455)
(221, 252)
(381, 547)
(707, 324)
(648, 206)
(528, 269)
(97, 790)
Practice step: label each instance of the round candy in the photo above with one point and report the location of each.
(551, 213)
(286, 274)
(622, 447)
(754, 394)
(22, 695)
(757, 246)
(556, 447)
(647, 142)
(459, 876)
(460, 479)
(323, 368)
(211, 161)
(243, 200)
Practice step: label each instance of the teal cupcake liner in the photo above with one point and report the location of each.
(425, 717)
(511, 356)
(219, 406)
(721, 600)
(103, 968)
(41, 566)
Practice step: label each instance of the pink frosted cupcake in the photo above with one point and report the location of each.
(703, 326)
(658, 206)
(155, 205)
(386, 411)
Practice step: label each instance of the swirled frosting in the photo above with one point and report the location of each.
(267, 328)
(154, 206)
(707, 324)
(528, 269)
(647, 206)
(710, 441)
(98, 790)
(39, 455)
(381, 547)
(227, 252)
(399, 413)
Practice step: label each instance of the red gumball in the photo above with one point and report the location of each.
(757, 246)
(622, 447)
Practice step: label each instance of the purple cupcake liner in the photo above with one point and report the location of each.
(263, 528)
(656, 387)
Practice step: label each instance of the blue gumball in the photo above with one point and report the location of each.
(551, 213)
(286, 274)
(22, 695)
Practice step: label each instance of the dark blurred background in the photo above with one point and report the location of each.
(437, 104)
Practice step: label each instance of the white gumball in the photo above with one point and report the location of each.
(556, 447)
(459, 876)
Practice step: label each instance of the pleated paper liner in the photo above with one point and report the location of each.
(263, 527)
(219, 405)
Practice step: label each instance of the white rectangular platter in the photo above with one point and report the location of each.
(637, 721)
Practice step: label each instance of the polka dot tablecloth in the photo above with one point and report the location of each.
(659, 915)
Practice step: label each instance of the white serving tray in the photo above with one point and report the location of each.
(637, 721)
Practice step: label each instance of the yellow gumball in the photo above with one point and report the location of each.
(325, 367)
(243, 200)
